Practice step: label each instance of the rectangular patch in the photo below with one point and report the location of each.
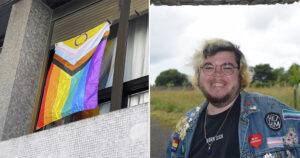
(275, 142)
(174, 144)
(290, 114)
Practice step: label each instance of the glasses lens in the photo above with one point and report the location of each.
(227, 69)
(208, 69)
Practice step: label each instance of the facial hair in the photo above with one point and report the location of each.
(220, 102)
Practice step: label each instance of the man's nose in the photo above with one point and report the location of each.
(218, 71)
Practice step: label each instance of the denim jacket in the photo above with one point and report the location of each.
(267, 129)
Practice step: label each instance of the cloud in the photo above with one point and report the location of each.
(266, 34)
(262, 18)
(165, 29)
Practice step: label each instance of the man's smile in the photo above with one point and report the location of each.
(218, 84)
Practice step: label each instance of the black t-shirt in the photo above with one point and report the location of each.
(226, 143)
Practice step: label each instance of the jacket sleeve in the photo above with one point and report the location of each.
(168, 151)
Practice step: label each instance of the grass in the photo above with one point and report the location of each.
(284, 94)
(170, 104)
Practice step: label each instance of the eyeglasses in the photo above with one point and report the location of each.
(227, 69)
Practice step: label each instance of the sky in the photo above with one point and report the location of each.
(266, 34)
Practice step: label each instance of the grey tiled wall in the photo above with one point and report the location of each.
(123, 133)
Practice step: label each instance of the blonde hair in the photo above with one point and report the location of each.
(211, 48)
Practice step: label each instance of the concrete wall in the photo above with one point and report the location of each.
(123, 133)
(20, 66)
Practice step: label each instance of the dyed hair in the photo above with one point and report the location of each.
(211, 48)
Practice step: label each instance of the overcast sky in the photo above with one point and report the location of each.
(265, 33)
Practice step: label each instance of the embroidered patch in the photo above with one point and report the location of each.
(269, 155)
(174, 144)
(244, 151)
(245, 111)
(193, 114)
(183, 148)
(290, 138)
(255, 140)
(248, 103)
(182, 126)
(252, 107)
(290, 114)
(273, 121)
(275, 142)
(243, 122)
(289, 154)
(279, 155)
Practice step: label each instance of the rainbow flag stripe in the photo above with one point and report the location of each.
(73, 78)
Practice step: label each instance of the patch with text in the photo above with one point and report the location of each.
(273, 121)
(255, 140)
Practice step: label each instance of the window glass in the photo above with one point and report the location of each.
(138, 98)
(104, 107)
(137, 51)
(137, 54)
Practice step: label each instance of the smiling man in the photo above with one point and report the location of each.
(232, 122)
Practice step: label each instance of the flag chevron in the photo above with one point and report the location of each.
(69, 68)
(73, 69)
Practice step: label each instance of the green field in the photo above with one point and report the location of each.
(170, 104)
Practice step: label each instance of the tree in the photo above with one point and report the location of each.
(292, 74)
(280, 76)
(171, 78)
(278, 72)
(264, 73)
(294, 79)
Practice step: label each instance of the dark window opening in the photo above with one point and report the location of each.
(4, 17)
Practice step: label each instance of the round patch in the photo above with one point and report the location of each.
(273, 121)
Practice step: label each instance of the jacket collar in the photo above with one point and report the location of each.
(247, 106)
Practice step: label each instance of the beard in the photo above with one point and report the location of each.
(223, 101)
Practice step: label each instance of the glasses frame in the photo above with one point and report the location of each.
(221, 67)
